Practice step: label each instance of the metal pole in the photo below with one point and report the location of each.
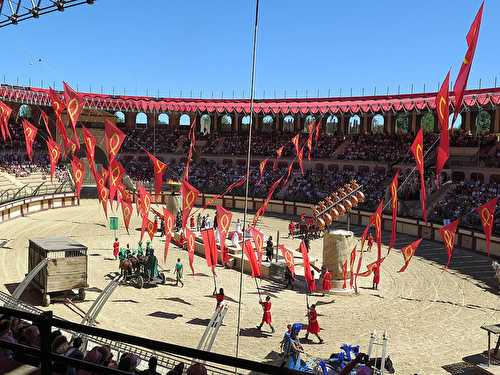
(245, 212)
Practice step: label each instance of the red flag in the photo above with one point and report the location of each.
(224, 221)
(408, 252)
(344, 274)
(56, 102)
(143, 203)
(487, 214)
(234, 185)
(159, 168)
(295, 141)
(307, 264)
(289, 172)
(288, 256)
(45, 120)
(168, 229)
(448, 233)
(463, 74)
(310, 129)
(254, 267)
(29, 137)
(148, 226)
(263, 208)
(189, 195)
(126, 212)
(113, 139)
(318, 128)
(360, 260)
(90, 142)
(394, 207)
(417, 149)
(279, 152)
(116, 172)
(54, 155)
(192, 145)
(74, 106)
(442, 109)
(262, 167)
(370, 268)
(300, 156)
(190, 240)
(351, 266)
(61, 129)
(5, 112)
(210, 246)
(103, 195)
(78, 169)
(376, 221)
(258, 240)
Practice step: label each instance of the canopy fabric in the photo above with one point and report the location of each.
(315, 106)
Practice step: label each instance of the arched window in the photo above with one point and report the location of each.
(378, 124)
(120, 117)
(483, 123)
(245, 122)
(267, 123)
(402, 124)
(185, 120)
(354, 123)
(141, 120)
(288, 124)
(205, 124)
(163, 119)
(24, 111)
(310, 119)
(331, 124)
(427, 122)
(458, 122)
(225, 123)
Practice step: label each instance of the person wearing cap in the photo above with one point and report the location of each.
(266, 317)
(116, 248)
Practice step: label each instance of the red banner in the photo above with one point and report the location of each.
(370, 268)
(262, 209)
(289, 260)
(351, 266)
(318, 129)
(78, 169)
(189, 195)
(447, 234)
(192, 147)
(113, 139)
(307, 264)
(300, 157)
(208, 237)
(262, 167)
(54, 155)
(5, 112)
(61, 129)
(143, 203)
(190, 241)
(258, 240)
(126, 212)
(149, 226)
(116, 173)
(295, 141)
(463, 74)
(57, 103)
(45, 119)
(234, 185)
(417, 149)
(487, 214)
(376, 221)
(168, 228)
(103, 195)
(344, 274)
(254, 266)
(310, 130)
(74, 106)
(29, 137)
(279, 152)
(90, 142)
(394, 208)
(159, 168)
(224, 221)
(443, 114)
(408, 252)
(289, 172)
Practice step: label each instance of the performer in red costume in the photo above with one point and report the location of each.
(313, 325)
(116, 248)
(266, 317)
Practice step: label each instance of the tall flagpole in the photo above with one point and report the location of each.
(252, 92)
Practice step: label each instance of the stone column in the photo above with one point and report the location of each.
(343, 129)
(215, 123)
(130, 120)
(364, 124)
(337, 247)
(279, 123)
(236, 123)
(174, 118)
(298, 123)
(388, 123)
(496, 126)
(414, 122)
(467, 121)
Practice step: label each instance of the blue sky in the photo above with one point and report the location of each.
(204, 46)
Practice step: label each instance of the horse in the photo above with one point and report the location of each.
(125, 267)
(496, 268)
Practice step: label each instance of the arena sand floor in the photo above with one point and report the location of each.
(432, 317)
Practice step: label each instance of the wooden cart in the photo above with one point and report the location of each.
(66, 269)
